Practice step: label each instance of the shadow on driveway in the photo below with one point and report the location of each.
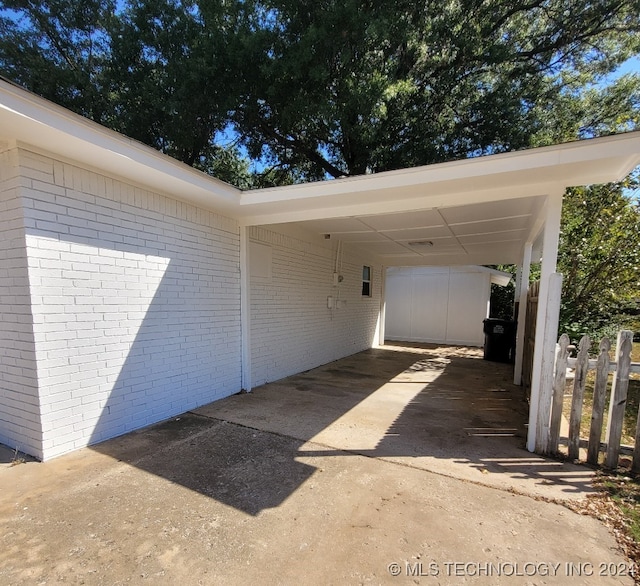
(440, 409)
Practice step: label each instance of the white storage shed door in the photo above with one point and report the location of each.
(442, 305)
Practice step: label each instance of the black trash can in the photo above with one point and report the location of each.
(499, 339)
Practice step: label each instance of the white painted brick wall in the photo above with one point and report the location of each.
(136, 303)
(292, 329)
(20, 425)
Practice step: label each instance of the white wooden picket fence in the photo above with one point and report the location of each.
(621, 367)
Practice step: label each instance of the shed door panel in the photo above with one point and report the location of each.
(467, 308)
(439, 305)
(398, 311)
(429, 303)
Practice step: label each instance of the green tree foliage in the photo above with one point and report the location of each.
(156, 71)
(325, 88)
(584, 112)
(502, 300)
(168, 72)
(59, 49)
(349, 87)
(599, 257)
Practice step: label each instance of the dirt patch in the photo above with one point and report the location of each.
(617, 505)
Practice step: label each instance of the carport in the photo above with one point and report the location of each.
(332, 476)
(286, 481)
(185, 256)
(498, 209)
(436, 408)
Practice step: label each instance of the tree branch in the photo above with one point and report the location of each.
(309, 152)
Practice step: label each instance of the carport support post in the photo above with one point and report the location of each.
(546, 329)
(521, 293)
(545, 398)
(380, 334)
(245, 309)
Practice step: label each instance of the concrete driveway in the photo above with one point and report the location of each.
(398, 465)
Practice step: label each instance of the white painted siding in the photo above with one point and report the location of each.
(20, 425)
(437, 305)
(292, 327)
(136, 303)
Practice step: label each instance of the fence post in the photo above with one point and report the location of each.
(618, 397)
(635, 466)
(558, 392)
(599, 397)
(582, 366)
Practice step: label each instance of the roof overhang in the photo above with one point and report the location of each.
(512, 175)
(496, 277)
(472, 212)
(476, 211)
(35, 122)
(499, 278)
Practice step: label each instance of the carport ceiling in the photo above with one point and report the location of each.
(491, 232)
(475, 211)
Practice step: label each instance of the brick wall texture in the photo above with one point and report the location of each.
(292, 327)
(120, 307)
(134, 300)
(20, 425)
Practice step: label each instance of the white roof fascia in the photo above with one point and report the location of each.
(499, 278)
(32, 120)
(567, 163)
(539, 171)
(383, 202)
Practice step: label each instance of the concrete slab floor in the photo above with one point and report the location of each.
(437, 408)
(201, 499)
